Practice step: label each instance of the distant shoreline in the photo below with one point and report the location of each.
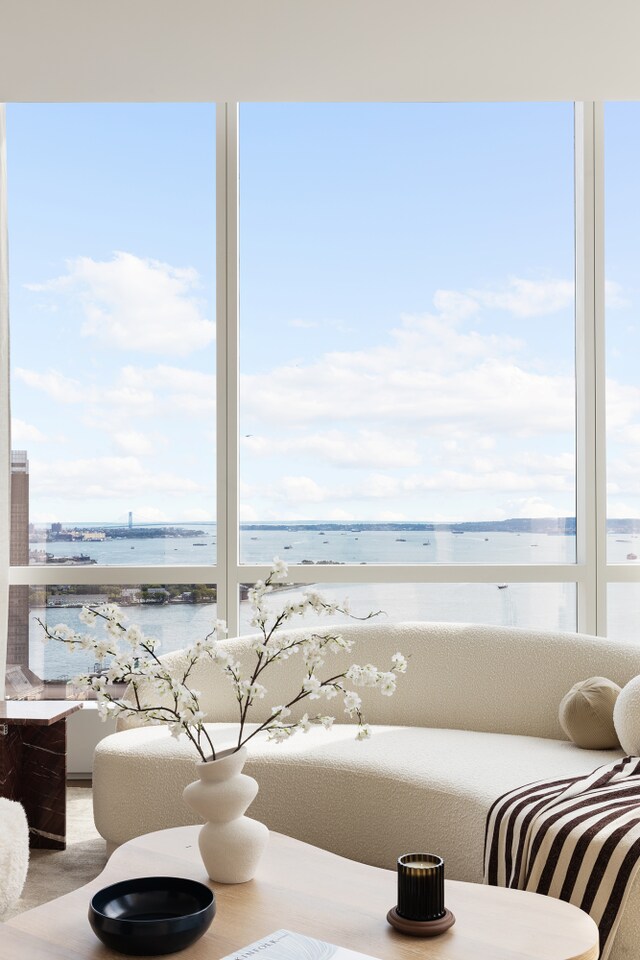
(552, 526)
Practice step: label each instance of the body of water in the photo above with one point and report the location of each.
(536, 605)
(343, 545)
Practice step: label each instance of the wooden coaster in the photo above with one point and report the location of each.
(420, 928)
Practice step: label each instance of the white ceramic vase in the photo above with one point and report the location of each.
(230, 843)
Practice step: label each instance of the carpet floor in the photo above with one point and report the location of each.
(55, 872)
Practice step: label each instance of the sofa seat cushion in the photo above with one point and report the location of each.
(406, 789)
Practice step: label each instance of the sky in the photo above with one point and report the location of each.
(406, 310)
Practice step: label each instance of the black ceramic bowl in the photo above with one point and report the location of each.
(151, 915)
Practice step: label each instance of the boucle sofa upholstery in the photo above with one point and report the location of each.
(475, 715)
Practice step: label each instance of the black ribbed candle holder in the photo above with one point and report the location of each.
(420, 910)
(420, 886)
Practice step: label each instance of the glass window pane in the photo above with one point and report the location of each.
(112, 296)
(174, 614)
(528, 541)
(407, 318)
(623, 611)
(622, 291)
(540, 606)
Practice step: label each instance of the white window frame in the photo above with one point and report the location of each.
(591, 573)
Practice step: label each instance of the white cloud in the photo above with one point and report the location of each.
(404, 385)
(134, 442)
(496, 481)
(302, 324)
(135, 303)
(532, 507)
(54, 384)
(167, 389)
(367, 448)
(303, 489)
(528, 298)
(147, 514)
(454, 305)
(105, 478)
(197, 516)
(613, 296)
(339, 515)
(23, 433)
(621, 508)
(248, 513)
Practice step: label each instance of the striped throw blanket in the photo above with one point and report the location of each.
(576, 839)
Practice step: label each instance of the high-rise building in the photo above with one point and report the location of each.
(18, 627)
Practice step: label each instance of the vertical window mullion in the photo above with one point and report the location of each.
(590, 522)
(5, 432)
(227, 363)
(600, 369)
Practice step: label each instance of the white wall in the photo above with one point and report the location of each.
(319, 50)
(84, 730)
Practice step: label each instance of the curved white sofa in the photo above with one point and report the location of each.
(475, 715)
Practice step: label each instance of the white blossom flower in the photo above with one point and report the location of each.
(133, 635)
(159, 691)
(282, 712)
(352, 702)
(279, 568)
(88, 616)
(304, 723)
(312, 686)
(364, 732)
(280, 734)
(387, 684)
(399, 663)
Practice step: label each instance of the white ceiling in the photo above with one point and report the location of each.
(319, 49)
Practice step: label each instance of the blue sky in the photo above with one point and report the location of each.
(406, 303)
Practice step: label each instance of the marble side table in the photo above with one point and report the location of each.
(33, 764)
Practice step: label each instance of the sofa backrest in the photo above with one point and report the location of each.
(460, 676)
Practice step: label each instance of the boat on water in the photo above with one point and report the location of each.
(427, 543)
(502, 586)
(401, 540)
(198, 544)
(288, 547)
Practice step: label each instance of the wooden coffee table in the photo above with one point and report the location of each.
(302, 888)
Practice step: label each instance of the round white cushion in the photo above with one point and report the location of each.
(14, 852)
(626, 717)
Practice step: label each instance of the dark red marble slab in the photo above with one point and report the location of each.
(10, 763)
(33, 766)
(44, 796)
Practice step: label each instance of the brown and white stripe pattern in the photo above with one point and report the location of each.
(577, 839)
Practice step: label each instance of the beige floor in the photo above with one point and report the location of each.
(54, 872)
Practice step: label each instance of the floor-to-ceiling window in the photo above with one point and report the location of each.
(366, 338)
(113, 361)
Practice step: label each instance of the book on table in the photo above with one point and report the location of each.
(287, 945)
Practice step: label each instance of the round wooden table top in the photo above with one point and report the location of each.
(302, 888)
